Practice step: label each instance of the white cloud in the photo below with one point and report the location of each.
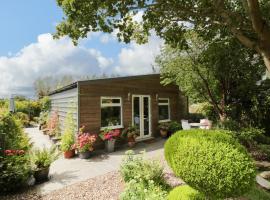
(47, 57)
(139, 59)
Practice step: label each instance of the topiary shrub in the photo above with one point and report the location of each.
(185, 192)
(211, 161)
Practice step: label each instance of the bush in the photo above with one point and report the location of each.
(15, 170)
(134, 167)
(11, 127)
(212, 162)
(185, 192)
(23, 118)
(137, 191)
(174, 126)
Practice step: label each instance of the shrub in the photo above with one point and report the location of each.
(212, 162)
(11, 127)
(185, 192)
(174, 126)
(68, 139)
(135, 167)
(137, 190)
(23, 118)
(15, 171)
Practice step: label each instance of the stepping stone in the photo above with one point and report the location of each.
(262, 164)
(265, 174)
(262, 182)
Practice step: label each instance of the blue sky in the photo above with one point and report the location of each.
(27, 50)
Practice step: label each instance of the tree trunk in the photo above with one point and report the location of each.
(266, 59)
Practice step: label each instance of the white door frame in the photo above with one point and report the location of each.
(142, 136)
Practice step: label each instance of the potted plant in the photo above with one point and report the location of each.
(164, 129)
(41, 160)
(131, 132)
(85, 143)
(174, 126)
(68, 139)
(109, 136)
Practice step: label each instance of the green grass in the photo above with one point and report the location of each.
(257, 194)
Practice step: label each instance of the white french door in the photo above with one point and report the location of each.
(141, 114)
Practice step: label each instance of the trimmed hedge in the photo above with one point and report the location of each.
(185, 192)
(211, 161)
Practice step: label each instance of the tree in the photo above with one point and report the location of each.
(221, 72)
(246, 20)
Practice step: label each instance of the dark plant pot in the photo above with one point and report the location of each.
(85, 155)
(131, 142)
(42, 175)
(163, 133)
(69, 154)
(109, 145)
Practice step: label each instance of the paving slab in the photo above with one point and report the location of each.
(65, 172)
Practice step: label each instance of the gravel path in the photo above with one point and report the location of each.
(105, 187)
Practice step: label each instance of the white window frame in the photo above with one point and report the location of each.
(104, 105)
(169, 109)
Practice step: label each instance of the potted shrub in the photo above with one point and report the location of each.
(85, 144)
(68, 139)
(174, 126)
(131, 133)
(41, 160)
(109, 136)
(164, 129)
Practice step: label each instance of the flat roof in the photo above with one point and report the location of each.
(75, 84)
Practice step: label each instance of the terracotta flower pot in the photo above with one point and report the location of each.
(69, 154)
(163, 133)
(131, 142)
(85, 155)
(41, 174)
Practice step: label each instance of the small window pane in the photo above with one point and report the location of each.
(110, 116)
(163, 101)
(110, 101)
(163, 112)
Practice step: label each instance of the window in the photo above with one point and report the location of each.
(164, 109)
(111, 112)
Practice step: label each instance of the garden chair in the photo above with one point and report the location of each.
(185, 125)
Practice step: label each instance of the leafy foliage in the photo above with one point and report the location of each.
(130, 132)
(185, 192)
(248, 22)
(205, 76)
(211, 162)
(135, 167)
(68, 137)
(43, 158)
(15, 171)
(15, 138)
(137, 190)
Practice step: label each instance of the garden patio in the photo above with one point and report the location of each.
(65, 172)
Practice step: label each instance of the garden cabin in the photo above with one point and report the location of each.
(119, 102)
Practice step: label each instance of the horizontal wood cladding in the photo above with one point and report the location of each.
(90, 93)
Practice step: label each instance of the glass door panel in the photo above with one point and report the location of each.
(146, 120)
(136, 112)
(141, 114)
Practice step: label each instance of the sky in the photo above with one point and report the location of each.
(28, 51)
